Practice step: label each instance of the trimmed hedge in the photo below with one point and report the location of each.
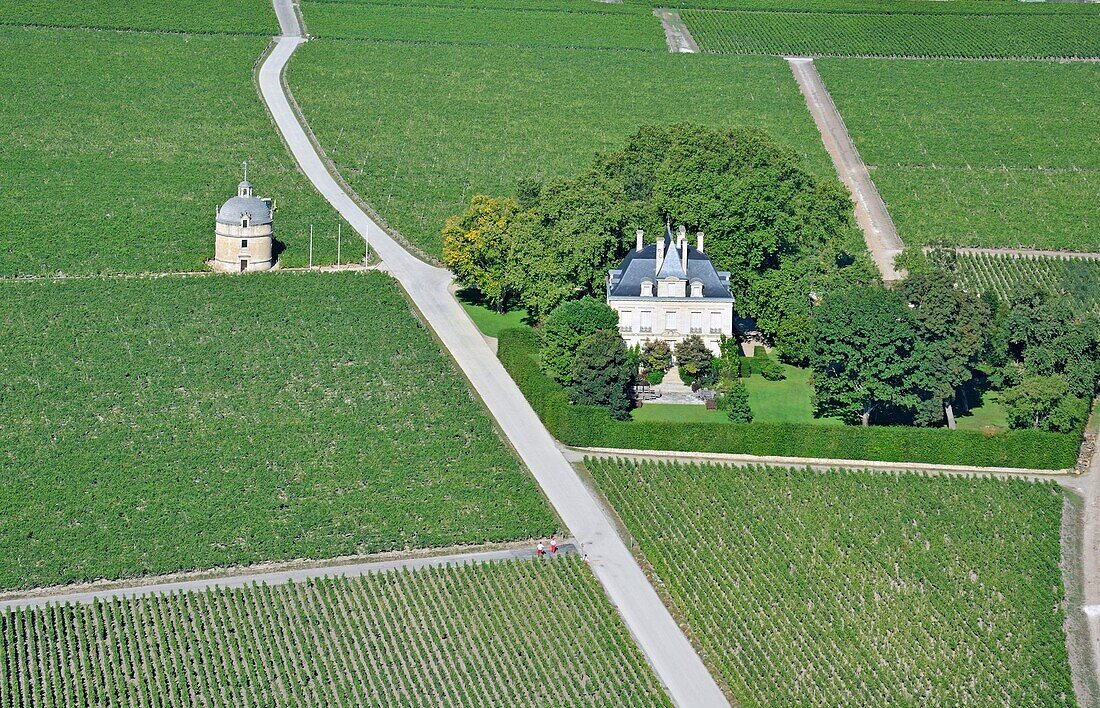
(590, 426)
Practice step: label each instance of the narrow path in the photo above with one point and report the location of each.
(1026, 253)
(674, 660)
(878, 228)
(1064, 477)
(274, 577)
(1089, 489)
(677, 35)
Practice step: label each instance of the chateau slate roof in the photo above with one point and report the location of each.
(626, 280)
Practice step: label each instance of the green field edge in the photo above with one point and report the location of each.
(131, 30)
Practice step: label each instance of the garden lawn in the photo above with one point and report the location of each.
(487, 319)
(418, 130)
(119, 147)
(785, 401)
(465, 635)
(486, 26)
(156, 425)
(857, 588)
(200, 16)
(677, 413)
(999, 154)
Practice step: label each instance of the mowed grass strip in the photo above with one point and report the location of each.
(856, 588)
(1028, 36)
(164, 424)
(119, 147)
(418, 130)
(485, 26)
(978, 153)
(510, 633)
(201, 16)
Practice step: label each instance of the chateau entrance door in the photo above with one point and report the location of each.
(244, 264)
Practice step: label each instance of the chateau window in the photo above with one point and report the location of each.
(697, 290)
(625, 324)
(670, 321)
(244, 243)
(647, 288)
(696, 322)
(647, 321)
(715, 322)
(244, 222)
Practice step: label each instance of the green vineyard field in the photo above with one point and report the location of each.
(995, 154)
(418, 130)
(1076, 280)
(511, 633)
(201, 16)
(855, 588)
(119, 147)
(1028, 36)
(164, 424)
(485, 26)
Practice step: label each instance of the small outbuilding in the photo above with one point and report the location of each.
(244, 232)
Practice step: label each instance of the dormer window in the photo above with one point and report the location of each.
(244, 222)
(647, 288)
(696, 289)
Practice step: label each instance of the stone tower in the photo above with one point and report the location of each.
(243, 232)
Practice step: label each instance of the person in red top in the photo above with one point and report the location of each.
(553, 545)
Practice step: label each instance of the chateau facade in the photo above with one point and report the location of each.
(670, 290)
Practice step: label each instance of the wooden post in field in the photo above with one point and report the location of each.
(311, 246)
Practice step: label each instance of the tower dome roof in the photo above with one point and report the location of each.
(236, 208)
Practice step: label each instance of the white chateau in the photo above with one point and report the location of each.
(669, 290)
(243, 232)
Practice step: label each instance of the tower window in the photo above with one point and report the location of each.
(244, 243)
(244, 221)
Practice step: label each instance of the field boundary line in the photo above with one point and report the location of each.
(1021, 253)
(677, 35)
(579, 453)
(273, 577)
(872, 215)
(136, 30)
(909, 57)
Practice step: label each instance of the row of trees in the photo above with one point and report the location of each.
(915, 353)
(775, 227)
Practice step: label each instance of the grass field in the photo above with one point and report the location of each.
(488, 321)
(154, 425)
(852, 588)
(895, 34)
(978, 153)
(222, 16)
(417, 130)
(119, 149)
(471, 24)
(510, 633)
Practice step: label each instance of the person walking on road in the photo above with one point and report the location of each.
(553, 545)
(540, 550)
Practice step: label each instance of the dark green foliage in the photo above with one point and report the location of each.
(863, 339)
(857, 588)
(694, 360)
(589, 426)
(564, 330)
(166, 424)
(654, 377)
(656, 357)
(736, 403)
(602, 374)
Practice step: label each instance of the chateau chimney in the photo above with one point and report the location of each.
(682, 232)
(699, 242)
(684, 253)
(660, 253)
(641, 236)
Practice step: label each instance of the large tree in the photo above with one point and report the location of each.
(602, 373)
(569, 325)
(1043, 403)
(953, 328)
(861, 358)
(478, 246)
